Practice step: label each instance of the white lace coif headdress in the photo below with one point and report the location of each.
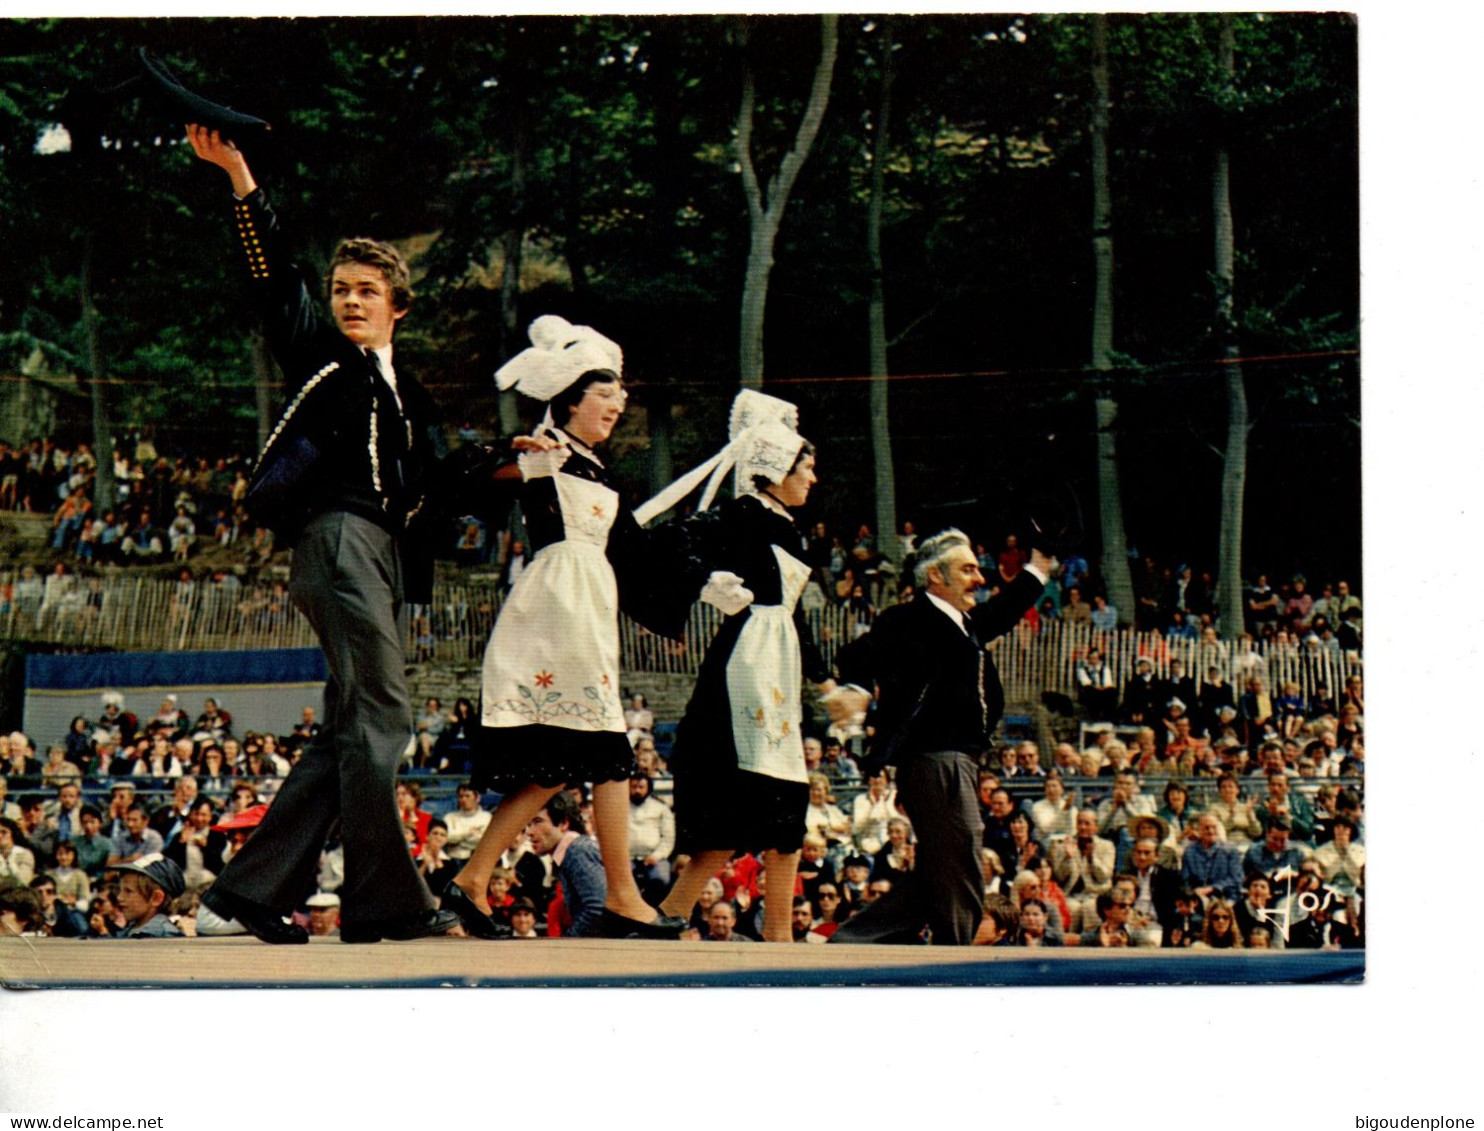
(763, 441)
(559, 354)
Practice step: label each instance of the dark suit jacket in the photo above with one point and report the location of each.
(927, 670)
(341, 443)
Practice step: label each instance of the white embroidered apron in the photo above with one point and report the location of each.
(764, 682)
(553, 656)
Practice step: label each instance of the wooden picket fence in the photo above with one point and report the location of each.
(150, 614)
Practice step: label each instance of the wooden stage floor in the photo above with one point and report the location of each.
(242, 961)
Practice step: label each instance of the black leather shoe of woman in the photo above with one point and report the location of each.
(475, 921)
(612, 925)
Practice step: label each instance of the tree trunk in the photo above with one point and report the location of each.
(264, 375)
(1115, 569)
(1234, 467)
(661, 435)
(512, 248)
(765, 210)
(886, 479)
(103, 486)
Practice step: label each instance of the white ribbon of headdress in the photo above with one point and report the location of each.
(760, 412)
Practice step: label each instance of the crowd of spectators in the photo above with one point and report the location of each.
(1139, 843)
(1195, 813)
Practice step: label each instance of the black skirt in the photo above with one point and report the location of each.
(506, 758)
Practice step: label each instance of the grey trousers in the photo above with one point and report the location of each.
(945, 889)
(347, 582)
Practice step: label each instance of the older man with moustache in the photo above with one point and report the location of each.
(940, 700)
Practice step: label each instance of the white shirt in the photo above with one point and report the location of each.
(384, 357)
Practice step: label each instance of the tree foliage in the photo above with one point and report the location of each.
(600, 149)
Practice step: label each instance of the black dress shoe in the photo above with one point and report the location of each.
(400, 930)
(475, 921)
(262, 923)
(612, 925)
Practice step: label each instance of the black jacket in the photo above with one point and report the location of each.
(928, 673)
(341, 443)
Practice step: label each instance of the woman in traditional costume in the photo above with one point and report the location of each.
(550, 705)
(738, 760)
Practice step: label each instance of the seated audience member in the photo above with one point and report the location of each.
(1285, 803)
(721, 923)
(1000, 925)
(1140, 828)
(499, 894)
(213, 721)
(324, 914)
(57, 769)
(830, 916)
(825, 818)
(638, 716)
(429, 724)
(1112, 927)
(17, 862)
(651, 838)
(1066, 760)
(147, 885)
(1321, 930)
(93, 846)
(465, 822)
(137, 839)
(871, 812)
(1055, 814)
(433, 863)
(414, 816)
(1028, 886)
(168, 819)
(896, 857)
(1142, 926)
(58, 920)
(1273, 856)
(839, 766)
(523, 919)
(711, 891)
(20, 911)
(1034, 920)
(814, 866)
(1186, 924)
(1083, 865)
(559, 831)
(1155, 889)
(38, 835)
(1097, 690)
(801, 920)
(1123, 804)
(855, 878)
(74, 888)
(1253, 912)
(1208, 867)
(1238, 817)
(1220, 929)
(997, 817)
(197, 848)
(1022, 852)
(1342, 861)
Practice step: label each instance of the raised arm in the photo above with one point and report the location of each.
(1001, 612)
(277, 287)
(212, 148)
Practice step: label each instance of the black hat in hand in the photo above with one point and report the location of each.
(1053, 519)
(185, 107)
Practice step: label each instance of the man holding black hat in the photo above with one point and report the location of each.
(339, 479)
(940, 700)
